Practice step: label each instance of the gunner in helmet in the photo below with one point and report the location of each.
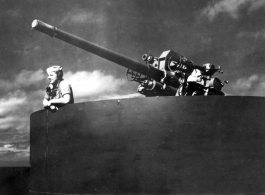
(59, 92)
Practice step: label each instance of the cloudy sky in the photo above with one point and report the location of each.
(229, 33)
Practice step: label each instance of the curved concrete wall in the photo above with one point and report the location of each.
(159, 145)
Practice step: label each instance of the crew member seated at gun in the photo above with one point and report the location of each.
(58, 92)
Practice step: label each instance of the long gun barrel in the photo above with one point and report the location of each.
(98, 50)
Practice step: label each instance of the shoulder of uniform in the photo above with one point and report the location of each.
(63, 82)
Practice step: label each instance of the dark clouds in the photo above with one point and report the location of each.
(229, 33)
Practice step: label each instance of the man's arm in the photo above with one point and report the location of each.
(63, 100)
(45, 103)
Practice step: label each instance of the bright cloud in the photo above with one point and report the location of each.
(92, 84)
(246, 83)
(27, 77)
(259, 34)
(15, 109)
(83, 16)
(22, 80)
(251, 86)
(11, 121)
(231, 7)
(9, 104)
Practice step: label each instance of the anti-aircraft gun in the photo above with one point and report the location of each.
(150, 145)
(170, 74)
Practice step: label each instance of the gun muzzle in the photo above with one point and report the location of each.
(43, 27)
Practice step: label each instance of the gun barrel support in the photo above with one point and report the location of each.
(98, 50)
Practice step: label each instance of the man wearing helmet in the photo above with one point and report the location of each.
(59, 92)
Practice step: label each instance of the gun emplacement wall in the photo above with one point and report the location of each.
(164, 145)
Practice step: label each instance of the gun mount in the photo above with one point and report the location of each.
(168, 75)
